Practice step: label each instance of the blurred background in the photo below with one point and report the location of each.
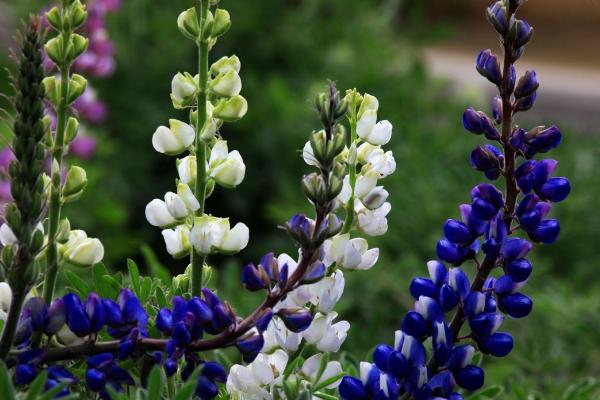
(417, 57)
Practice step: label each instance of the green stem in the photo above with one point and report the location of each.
(10, 327)
(55, 203)
(201, 147)
(352, 177)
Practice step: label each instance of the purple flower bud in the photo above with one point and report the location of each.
(351, 388)
(296, 320)
(472, 121)
(555, 189)
(94, 308)
(546, 232)
(79, 322)
(164, 320)
(519, 270)
(251, 345)
(381, 356)
(415, 325)
(497, 15)
(56, 317)
(517, 139)
(542, 140)
(498, 345)
(71, 301)
(214, 371)
(515, 248)
(253, 278)
(263, 321)
(497, 109)
(442, 383)
(118, 374)
(38, 311)
(470, 378)
(95, 379)
(315, 273)
(451, 252)
(60, 373)
(485, 324)
(206, 389)
(114, 318)
(437, 272)
(423, 287)
(505, 286)
(512, 78)
(476, 225)
(201, 311)
(460, 357)
(429, 309)
(25, 374)
(524, 33)
(459, 281)
(517, 305)
(413, 350)
(223, 317)
(181, 334)
(487, 200)
(488, 159)
(100, 361)
(525, 103)
(398, 366)
(457, 232)
(488, 66)
(300, 228)
(170, 366)
(528, 84)
(269, 263)
(210, 298)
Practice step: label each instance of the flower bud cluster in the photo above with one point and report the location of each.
(484, 235)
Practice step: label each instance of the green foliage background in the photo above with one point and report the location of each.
(288, 48)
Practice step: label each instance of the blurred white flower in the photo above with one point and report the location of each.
(349, 253)
(256, 381)
(83, 251)
(211, 235)
(324, 335)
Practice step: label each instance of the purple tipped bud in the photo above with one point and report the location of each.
(457, 232)
(505, 286)
(95, 379)
(517, 139)
(164, 320)
(315, 273)
(498, 345)
(474, 304)
(485, 324)
(301, 228)
(497, 15)
(398, 366)
(459, 281)
(251, 345)
(181, 334)
(470, 378)
(546, 232)
(100, 361)
(429, 309)
(254, 279)
(517, 305)
(488, 159)
(451, 252)
(528, 84)
(114, 317)
(542, 140)
(296, 320)
(525, 103)
(524, 33)
(442, 383)
(223, 317)
(79, 322)
(381, 356)
(497, 109)
(472, 121)
(488, 66)
(56, 317)
(94, 308)
(201, 311)
(515, 248)
(460, 357)
(214, 371)
(423, 287)
(263, 321)
(448, 298)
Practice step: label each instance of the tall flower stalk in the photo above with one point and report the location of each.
(23, 237)
(496, 232)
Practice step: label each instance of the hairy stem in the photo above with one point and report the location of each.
(201, 147)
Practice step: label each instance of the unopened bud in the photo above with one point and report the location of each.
(74, 184)
(375, 198)
(222, 23)
(78, 15)
(77, 86)
(54, 18)
(187, 22)
(78, 46)
(230, 110)
(72, 128)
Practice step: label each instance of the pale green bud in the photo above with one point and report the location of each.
(207, 26)
(77, 47)
(52, 89)
(222, 23)
(72, 128)
(182, 282)
(183, 90)
(55, 49)
(78, 15)
(230, 110)
(368, 103)
(64, 231)
(54, 18)
(77, 86)
(186, 167)
(83, 251)
(74, 184)
(175, 139)
(225, 64)
(227, 84)
(187, 22)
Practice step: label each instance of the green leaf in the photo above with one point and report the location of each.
(329, 381)
(155, 384)
(160, 297)
(156, 268)
(325, 396)
(187, 390)
(112, 286)
(98, 271)
(78, 284)
(134, 275)
(489, 393)
(145, 289)
(37, 386)
(6, 386)
(49, 395)
(582, 389)
(222, 359)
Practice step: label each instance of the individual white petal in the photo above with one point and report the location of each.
(334, 337)
(7, 237)
(90, 251)
(227, 84)
(177, 240)
(184, 133)
(236, 239)
(262, 371)
(308, 155)
(369, 259)
(311, 365)
(5, 296)
(158, 214)
(218, 153)
(365, 184)
(365, 125)
(333, 368)
(176, 206)
(381, 133)
(230, 173)
(186, 194)
(186, 167)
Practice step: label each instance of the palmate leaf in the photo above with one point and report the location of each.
(155, 384)
(134, 275)
(78, 284)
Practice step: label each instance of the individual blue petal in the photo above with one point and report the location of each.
(485, 324)
(114, 317)
(351, 388)
(222, 317)
(429, 309)
(415, 325)
(555, 189)
(133, 312)
(514, 248)
(181, 334)
(206, 389)
(423, 287)
(448, 298)
(546, 232)
(451, 252)
(79, 322)
(170, 366)
(438, 272)
(471, 377)
(397, 365)
(94, 308)
(296, 320)
(179, 309)
(164, 320)
(71, 301)
(214, 371)
(100, 361)
(498, 345)
(517, 305)
(95, 379)
(483, 209)
(460, 357)
(413, 351)
(25, 373)
(254, 279)
(201, 310)
(442, 383)
(477, 226)
(489, 193)
(505, 285)
(210, 298)
(381, 356)
(457, 232)
(474, 303)
(459, 281)
(519, 269)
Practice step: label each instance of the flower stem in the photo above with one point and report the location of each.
(55, 202)
(10, 326)
(201, 147)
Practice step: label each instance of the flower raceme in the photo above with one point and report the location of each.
(484, 234)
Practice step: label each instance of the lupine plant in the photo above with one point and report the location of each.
(454, 317)
(109, 337)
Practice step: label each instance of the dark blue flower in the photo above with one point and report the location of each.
(488, 66)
